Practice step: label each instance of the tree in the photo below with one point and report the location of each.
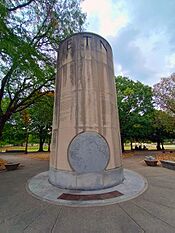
(41, 113)
(163, 127)
(26, 121)
(32, 124)
(135, 107)
(30, 33)
(164, 93)
(14, 131)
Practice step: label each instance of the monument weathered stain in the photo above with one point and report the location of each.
(84, 112)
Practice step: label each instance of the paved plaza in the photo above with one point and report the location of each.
(153, 211)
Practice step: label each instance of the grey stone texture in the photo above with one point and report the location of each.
(86, 181)
(168, 164)
(88, 152)
(151, 212)
(132, 186)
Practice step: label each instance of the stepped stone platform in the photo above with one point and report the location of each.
(132, 186)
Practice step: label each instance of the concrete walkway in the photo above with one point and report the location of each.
(153, 211)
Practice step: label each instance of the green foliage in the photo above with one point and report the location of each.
(135, 108)
(41, 114)
(14, 131)
(163, 126)
(30, 33)
(36, 121)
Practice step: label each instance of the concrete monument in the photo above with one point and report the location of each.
(85, 164)
(86, 148)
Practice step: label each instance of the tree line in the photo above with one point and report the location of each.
(146, 114)
(143, 114)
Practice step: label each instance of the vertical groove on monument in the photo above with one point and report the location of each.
(86, 149)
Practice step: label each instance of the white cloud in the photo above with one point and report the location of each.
(109, 17)
(170, 60)
(119, 70)
(142, 35)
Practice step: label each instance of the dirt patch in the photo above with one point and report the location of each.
(127, 154)
(2, 164)
(38, 155)
(166, 156)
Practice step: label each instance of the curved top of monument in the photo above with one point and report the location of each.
(86, 33)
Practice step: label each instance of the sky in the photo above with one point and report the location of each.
(141, 33)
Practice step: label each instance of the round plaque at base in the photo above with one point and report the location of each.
(88, 152)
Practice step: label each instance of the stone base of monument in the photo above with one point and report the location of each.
(132, 186)
(86, 181)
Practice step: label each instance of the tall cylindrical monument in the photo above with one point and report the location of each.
(86, 147)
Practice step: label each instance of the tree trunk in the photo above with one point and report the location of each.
(3, 120)
(41, 140)
(49, 142)
(2, 124)
(131, 146)
(158, 145)
(41, 143)
(122, 142)
(48, 147)
(162, 146)
(27, 137)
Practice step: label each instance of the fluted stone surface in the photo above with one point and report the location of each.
(86, 137)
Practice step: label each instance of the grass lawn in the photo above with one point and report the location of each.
(159, 155)
(34, 148)
(128, 153)
(30, 148)
(151, 146)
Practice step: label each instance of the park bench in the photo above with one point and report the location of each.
(168, 164)
(11, 166)
(15, 151)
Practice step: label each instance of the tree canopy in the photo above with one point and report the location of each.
(140, 121)
(164, 93)
(135, 108)
(162, 127)
(30, 33)
(41, 115)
